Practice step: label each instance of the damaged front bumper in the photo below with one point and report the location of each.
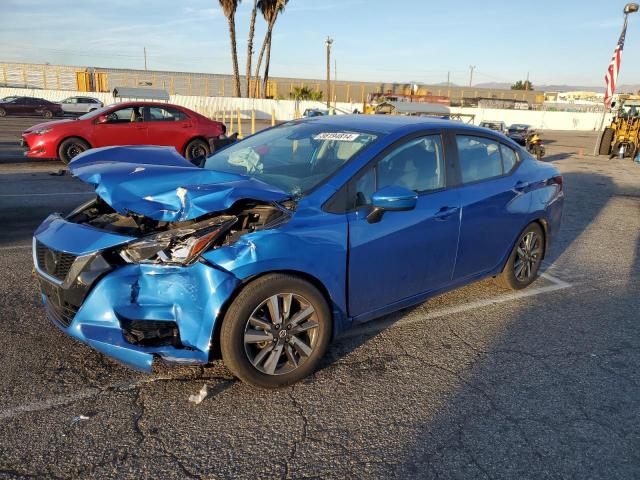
(132, 313)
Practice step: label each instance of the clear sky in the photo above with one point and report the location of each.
(559, 41)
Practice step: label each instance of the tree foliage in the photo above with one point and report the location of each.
(520, 85)
(305, 93)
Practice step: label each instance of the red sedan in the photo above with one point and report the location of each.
(131, 123)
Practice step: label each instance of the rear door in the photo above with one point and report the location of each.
(492, 201)
(168, 126)
(124, 126)
(409, 252)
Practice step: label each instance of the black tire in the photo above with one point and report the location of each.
(3, 112)
(196, 148)
(605, 141)
(511, 276)
(47, 114)
(71, 148)
(250, 343)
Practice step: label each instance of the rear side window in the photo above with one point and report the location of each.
(509, 158)
(166, 114)
(479, 158)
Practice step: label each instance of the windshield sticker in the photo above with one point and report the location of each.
(341, 137)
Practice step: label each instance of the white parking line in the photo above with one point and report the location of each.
(443, 312)
(373, 327)
(7, 195)
(15, 247)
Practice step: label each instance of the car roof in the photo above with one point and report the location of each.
(385, 124)
(144, 103)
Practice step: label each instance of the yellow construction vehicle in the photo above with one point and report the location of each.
(622, 136)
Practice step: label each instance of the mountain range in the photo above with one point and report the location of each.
(625, 88)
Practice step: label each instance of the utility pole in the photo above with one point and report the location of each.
(448, 79)
(335, 83)
(526, 84)
(328, 42)
(471, 69)
(144, 49)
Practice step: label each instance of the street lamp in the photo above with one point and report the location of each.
(328, 42)
(631, 8)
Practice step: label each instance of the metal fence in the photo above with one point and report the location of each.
(97, 79)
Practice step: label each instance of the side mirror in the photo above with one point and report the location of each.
(391, 199)
(102, 119)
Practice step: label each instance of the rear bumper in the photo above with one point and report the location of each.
(97, 303)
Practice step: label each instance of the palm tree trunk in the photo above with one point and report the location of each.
(252, 27)
(234, 55)
(265, 79)
(262, 50)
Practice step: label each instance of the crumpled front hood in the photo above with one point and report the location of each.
(159, 183)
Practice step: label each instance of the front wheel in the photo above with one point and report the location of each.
(525, 259)
(70, 148)
(276, 331)
(3, 112)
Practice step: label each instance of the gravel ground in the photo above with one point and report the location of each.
(477, 383)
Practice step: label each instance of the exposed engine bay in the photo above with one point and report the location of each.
(181, 241)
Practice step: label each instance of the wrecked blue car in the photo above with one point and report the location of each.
(276, 244)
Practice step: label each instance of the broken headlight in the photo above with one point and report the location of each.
(180, 246)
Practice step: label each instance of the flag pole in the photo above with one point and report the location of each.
(629, 8)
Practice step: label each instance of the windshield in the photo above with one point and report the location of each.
(518, 128)
(93, 113)
(8, 99)
(294, 157)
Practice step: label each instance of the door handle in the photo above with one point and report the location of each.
(521, 186)
(445, 212)
(186, 126)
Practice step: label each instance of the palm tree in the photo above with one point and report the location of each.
(252, 27)
(229, 8)
(270, 10)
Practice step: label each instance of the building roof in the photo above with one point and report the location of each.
(141, 93)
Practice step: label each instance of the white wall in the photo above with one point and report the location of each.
(538, 119)
(285, 109)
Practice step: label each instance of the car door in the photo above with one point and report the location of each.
(22, 105)
(123, 126)
(168, 126)
(492, 202)
(410, 252)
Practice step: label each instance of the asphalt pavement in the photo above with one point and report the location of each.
(477, 383)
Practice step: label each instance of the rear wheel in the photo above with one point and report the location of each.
(524, 262)
(276, 331)
(605, 141)
(47, 114)
(196, 148)
(71, 148)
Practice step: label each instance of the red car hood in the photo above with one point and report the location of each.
(48, 125)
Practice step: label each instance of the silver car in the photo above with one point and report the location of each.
(80, 105)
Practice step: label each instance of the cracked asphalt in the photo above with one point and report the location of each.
(476, 383)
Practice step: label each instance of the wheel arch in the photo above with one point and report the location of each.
(215, 352)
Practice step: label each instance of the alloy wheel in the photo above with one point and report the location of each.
(528, 256)
(281, 334)
(74, 150)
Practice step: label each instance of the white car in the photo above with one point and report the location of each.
(80, 105)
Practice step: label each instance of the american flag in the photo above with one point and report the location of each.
(614, 67)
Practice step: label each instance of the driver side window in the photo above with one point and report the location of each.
(417, 165)
(125, 115)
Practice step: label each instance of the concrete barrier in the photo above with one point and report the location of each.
(288, 109)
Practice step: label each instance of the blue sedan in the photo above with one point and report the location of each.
(276, 244)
